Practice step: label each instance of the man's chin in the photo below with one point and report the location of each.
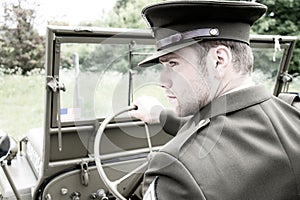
(180, 112)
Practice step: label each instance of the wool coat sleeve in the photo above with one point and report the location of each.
(174, 179)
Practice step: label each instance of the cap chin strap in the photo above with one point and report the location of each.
(177, 37)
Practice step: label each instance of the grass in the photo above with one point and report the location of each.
(21, 103)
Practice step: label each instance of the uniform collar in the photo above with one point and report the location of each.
(235, 100)
(230, 102)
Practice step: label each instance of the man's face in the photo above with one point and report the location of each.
(187, 84)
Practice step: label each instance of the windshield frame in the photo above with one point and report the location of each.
(57, 35)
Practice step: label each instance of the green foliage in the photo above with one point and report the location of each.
(116, 58)
(22, 49)
(282, 18)
(127, 14)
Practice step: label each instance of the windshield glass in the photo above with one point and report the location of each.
(266, 65)
(294, 86)
(99, 79)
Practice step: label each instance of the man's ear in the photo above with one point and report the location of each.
(223, 59)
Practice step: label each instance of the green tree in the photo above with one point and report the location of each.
(282, 18)
(127, 14)
(22, 48)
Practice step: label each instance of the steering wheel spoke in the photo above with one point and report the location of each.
(113, 185)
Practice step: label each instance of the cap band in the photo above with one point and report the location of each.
(203, 32)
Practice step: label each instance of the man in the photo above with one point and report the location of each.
(240, 141)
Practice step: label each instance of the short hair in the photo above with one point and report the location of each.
(242, 54)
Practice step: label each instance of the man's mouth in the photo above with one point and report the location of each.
(171, 97)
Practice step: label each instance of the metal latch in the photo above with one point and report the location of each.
(84, 173)
(286, 79)
(56, 86)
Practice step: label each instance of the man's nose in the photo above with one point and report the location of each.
(165, 78)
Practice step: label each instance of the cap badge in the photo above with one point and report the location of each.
(214, 32)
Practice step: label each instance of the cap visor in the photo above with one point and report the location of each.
(154, 59)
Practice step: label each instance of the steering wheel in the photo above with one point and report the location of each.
(4, 145)
(113, 185)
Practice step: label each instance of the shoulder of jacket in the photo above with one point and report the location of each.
(174, 146)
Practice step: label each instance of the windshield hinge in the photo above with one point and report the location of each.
(54, 84)
(286, 79)
(84, 173)
(56, 87)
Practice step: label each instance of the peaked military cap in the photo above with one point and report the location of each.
(177, 24)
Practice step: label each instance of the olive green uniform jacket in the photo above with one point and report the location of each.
(243, 145)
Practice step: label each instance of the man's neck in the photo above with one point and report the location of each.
(237, 84)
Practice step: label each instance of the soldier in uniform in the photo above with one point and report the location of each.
(240, 141)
